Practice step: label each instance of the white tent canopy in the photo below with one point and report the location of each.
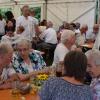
(82, 11)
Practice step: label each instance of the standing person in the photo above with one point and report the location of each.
(2, 27)
(35, 28)
(10, 17)
(27, 22)
(35, 20)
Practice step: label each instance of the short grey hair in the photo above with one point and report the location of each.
(5, 48)
(66, 35)
(93, 55)
(24, 42)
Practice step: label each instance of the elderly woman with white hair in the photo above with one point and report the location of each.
(7, 73)
(67, 41)
(93, 57)
(26, 60)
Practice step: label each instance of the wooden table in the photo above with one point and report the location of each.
(6, 95)
(88, 45)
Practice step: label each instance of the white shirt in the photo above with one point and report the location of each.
(6, 73)
(2, 27)
(91, 36)
(60, 53)
(12, 40)
(80, 39)
(77, 31)
(28, 25)
(49, 36)
(97, 42)
(36, 22)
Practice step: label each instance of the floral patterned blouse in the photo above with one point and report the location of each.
(95, 85)
(37, 62)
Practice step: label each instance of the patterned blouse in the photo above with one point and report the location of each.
(37, 63)
(95, 85)
(58, 89)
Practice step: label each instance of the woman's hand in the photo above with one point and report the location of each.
(23, 77)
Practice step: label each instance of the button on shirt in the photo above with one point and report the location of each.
(49, 36)
(28, 25)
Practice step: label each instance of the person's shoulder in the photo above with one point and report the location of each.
(20, 18)
(86, 89)
(60, 46)
(5, 37)
(31, 18)
(15, 55)
(50, 29)
(33, 52)
(53, 80)
(35, 19)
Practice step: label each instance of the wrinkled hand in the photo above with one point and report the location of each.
(23, 77)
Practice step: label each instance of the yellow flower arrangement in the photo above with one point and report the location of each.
(42, 77)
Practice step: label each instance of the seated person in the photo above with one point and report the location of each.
(10, 37)
(93, 63)
(67, 42)
(26, 60)
(7, 74)
(49, 37)
(91, 36)
(70, 86)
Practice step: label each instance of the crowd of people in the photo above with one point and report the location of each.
(22, 42)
